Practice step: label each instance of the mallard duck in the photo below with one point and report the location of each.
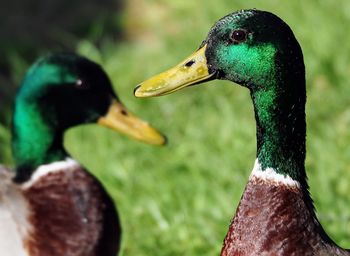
(50, 204)
(257, 50)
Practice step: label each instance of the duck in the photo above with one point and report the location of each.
(259, 51)
(49, 203)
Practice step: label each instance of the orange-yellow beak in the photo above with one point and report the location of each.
(120, 119)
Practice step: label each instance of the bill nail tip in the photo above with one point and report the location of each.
(135, 90)
(166, 140)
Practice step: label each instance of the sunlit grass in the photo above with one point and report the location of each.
(178, 200)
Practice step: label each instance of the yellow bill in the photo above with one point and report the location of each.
(120, 119)
(192, 70)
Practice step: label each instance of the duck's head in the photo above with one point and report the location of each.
(248, 47)
(61, 91)
(258, 50)
(67, 90)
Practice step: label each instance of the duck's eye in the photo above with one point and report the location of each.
(239, 36)
(81, 85)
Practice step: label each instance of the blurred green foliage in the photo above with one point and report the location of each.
(178, 200)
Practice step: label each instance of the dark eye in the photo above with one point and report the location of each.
(81, 85)
(239, 36)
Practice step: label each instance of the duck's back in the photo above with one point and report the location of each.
(61, 210)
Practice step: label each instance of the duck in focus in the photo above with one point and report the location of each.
(50, 204)
(259, 51)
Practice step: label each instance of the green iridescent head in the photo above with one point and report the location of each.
(61, 91)
(250, 47)
(66, 89)
(255, 49)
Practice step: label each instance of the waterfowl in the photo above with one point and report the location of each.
(50, 204)
(257, 50)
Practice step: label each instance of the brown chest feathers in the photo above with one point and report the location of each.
(275, 220)
(71, 215)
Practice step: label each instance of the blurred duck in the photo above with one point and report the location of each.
(50, 204)
(257, 50)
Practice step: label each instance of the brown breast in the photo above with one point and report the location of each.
(275, 220)
(72, 215)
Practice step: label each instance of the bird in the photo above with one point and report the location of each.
(259, 51)
(49, 203)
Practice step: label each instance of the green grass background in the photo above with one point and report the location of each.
(179, 199)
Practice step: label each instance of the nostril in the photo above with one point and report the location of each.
(137, 87)
(123, 112)
(190, 63)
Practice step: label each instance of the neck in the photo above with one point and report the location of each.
(35, 141)
(280, 120)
